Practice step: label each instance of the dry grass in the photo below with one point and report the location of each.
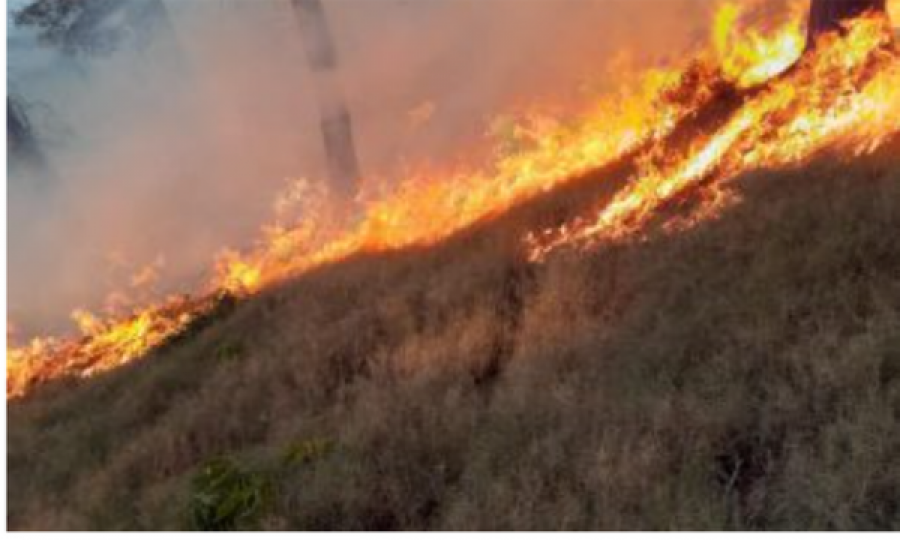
(743, 375)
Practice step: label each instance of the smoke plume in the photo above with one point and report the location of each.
(162, 156)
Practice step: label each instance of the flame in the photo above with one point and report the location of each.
(431, 205)
(788, 107)
(847, 94)
(752, 57)
(104, 345)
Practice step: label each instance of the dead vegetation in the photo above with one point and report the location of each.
(744, 374)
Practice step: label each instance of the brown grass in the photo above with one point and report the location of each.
(742, 375)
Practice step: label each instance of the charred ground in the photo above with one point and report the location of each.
(742, 374)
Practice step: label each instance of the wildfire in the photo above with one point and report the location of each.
(749, 58)
(786, 108)
(104, 345)
(846, 94)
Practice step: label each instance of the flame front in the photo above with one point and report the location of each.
(104, 345)
(787, 108)
(846, 94)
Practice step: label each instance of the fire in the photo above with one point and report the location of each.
(751, 58)
(103, 346)
(786, 108)
(237, 275)
(430, 206)
(846, 94)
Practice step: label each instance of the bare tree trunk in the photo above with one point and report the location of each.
(336, 123)
(828, 15)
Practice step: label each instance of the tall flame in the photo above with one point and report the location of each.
(847, 94)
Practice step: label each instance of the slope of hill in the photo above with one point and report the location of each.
(742, 374)
(699, 333)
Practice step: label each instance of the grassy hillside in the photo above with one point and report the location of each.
(743, 374)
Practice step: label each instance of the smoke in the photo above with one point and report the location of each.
(165, 155)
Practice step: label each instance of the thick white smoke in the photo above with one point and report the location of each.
(168, 154)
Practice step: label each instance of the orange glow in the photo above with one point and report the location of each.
(748, 58)
(104, 345)
(846, 96)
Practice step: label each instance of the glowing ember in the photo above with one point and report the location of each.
(847, 94)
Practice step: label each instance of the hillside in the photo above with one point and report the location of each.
(679, 313)
(745, 373)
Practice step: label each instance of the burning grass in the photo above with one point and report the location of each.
(741, 374)
(844, 95)
(532, 347)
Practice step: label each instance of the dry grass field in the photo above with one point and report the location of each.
(743, 374)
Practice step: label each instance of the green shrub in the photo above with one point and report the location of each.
(226, 496)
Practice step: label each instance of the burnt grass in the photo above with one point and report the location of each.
(743, 374)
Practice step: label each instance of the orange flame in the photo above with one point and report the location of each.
(105, 344)
(848, 94)
(751, 58)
